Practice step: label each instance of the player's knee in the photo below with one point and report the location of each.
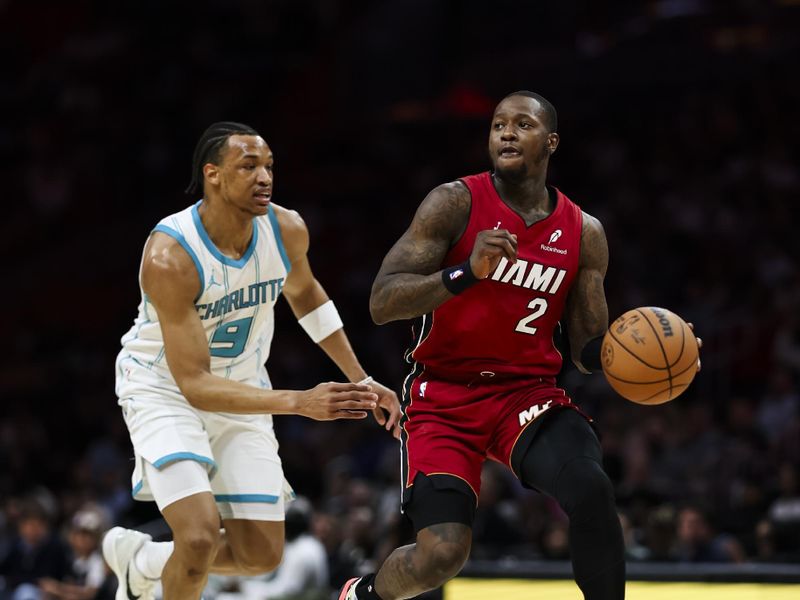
(443, 561)
(585, 492)
(198, 546)
(259, 559)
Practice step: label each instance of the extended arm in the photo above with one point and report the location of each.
(586, 311)
(169, 278)
(304, 293)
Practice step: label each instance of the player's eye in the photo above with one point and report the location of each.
(525, 125)
(498, 125)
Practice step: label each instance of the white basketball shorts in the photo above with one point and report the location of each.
(239, 454)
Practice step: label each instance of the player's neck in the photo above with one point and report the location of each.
(231, 230)
(530, 194)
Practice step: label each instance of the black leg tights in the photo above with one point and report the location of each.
(564, 460)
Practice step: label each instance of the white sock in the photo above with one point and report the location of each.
(151, 558)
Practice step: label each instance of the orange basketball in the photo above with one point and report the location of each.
(649, 355)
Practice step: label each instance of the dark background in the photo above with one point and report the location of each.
(679, 130)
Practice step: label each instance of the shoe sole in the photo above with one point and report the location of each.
(345, 588)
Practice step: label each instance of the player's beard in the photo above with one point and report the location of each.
(513, 175)
(517, 175)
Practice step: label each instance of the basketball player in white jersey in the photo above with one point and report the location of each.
(192, 384)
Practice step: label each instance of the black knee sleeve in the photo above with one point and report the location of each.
(440, 499)
(564, 460)
(584, 491)
(597, 548)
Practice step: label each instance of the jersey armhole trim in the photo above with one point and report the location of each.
(276, 229)
(185, 245)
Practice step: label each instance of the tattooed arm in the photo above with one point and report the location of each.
(409, 283)
(586, 312)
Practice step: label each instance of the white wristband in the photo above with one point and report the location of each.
(366, 381)
(321, 322)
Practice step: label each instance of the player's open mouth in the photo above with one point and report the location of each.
(510, 151)
(263, 198)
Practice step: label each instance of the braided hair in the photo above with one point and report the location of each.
(208, 149)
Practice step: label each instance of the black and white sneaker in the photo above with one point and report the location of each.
(119, 547)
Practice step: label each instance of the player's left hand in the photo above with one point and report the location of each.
(387, 400)
(699, 344)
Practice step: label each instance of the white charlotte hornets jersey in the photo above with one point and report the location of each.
(235, 306)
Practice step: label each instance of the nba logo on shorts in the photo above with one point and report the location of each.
(554, 236)
(422, 387)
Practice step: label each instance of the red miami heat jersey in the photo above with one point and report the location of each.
(505, 323)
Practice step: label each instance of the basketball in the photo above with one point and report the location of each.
(649, 355)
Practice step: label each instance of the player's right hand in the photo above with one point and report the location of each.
(329, 401)
(491, 245)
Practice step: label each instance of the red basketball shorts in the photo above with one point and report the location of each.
(451, 428)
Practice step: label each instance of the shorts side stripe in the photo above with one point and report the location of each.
(405, 404)
(266, 498)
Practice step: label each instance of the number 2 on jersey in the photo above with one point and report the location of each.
(539, 307)
(229, 338)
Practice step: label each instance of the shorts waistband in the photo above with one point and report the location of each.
(484, 377)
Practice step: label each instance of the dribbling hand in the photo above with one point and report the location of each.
(699, 345)
(329, 401)
(491, 245)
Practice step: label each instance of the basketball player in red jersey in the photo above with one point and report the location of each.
(493, 262)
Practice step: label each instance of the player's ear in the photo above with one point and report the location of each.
(211, 173)
(552, 142)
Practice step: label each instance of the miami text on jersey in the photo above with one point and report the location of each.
(533, 276)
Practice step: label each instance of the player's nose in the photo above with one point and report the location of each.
(264, 176)
(508, 133)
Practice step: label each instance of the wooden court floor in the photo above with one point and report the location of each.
(525, 589)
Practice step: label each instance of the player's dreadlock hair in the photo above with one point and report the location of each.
(548, 110)
(208, 147)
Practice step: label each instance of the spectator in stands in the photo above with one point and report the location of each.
(34, 553)
(634, 550)
(660, 533)
(780, 405)
(697, 542)
(88, 573)
(327, 528)
(765, 542)
(784, 512)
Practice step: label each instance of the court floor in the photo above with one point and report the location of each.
(521, 589)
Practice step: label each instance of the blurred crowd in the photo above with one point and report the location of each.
(680, 122)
